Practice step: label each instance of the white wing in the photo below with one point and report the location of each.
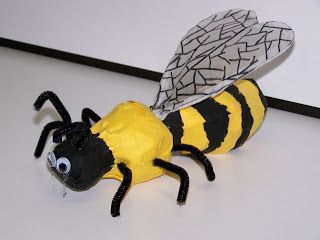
(218, 51)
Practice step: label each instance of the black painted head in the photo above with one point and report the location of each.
(80, 162)
(81, 159)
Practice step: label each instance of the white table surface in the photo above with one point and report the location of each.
(267, 189)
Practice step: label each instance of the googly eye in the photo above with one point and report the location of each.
(51, 159)
(63, 165)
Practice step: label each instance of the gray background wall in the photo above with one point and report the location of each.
(145, 34)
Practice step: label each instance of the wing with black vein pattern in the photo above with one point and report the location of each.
(216, 52)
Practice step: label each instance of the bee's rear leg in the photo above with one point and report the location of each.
(87, 115)
(199, 156)
(184, 178)
(123, 188)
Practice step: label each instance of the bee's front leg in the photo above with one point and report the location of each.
(123, 188)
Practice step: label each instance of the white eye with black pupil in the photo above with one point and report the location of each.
(63, 165)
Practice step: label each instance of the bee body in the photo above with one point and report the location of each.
(221, 123)
(135, 137)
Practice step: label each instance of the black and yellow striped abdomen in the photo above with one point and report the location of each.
(221, 123)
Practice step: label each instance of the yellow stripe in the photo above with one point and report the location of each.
(251, 94)
(235, 119)
(193, 129)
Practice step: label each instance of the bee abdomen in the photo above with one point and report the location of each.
(223, 122)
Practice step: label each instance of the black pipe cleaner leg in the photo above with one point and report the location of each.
(88, 114)
(70, 130)
(123, 188)
(48, 95)
(199, 156)
(44, 135)
(184, 178)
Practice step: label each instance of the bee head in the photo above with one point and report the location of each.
(81, 159)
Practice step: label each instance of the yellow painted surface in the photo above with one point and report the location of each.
(136, 137)
(193, 129)
(251, 94)
(235, 120)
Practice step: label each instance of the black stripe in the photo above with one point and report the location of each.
(262, 97)
(217, 122)
(280, 104)
(174, 122)
(247, 119)
(84, 60)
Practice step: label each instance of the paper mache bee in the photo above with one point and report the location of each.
(204, 105)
